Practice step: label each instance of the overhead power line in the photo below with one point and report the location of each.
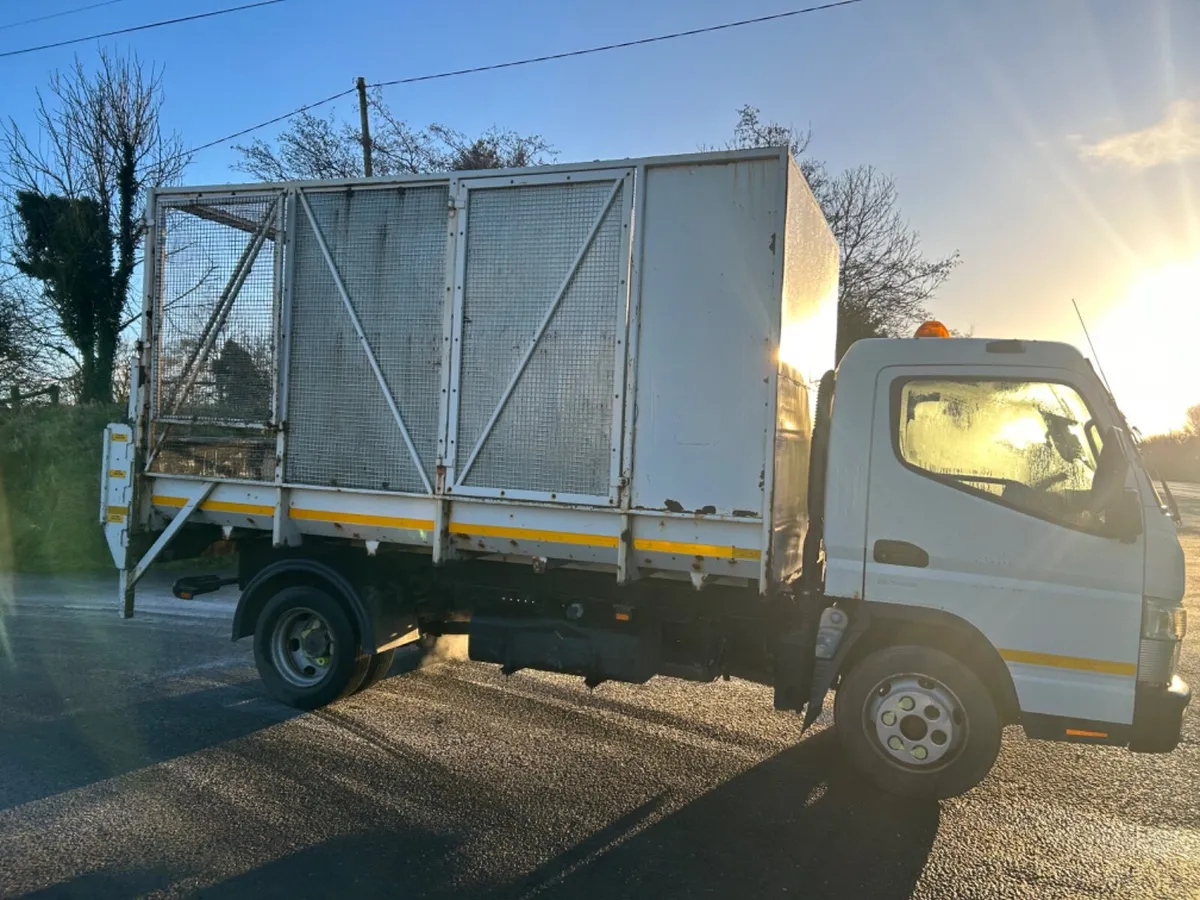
(530, 61)
(59, 15)
(287, 115)
(146, 27)
(708, 29)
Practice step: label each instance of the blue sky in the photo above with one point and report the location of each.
(1054, 143)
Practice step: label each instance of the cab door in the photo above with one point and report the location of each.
(978, 505)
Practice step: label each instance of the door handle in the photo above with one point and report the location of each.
(900, 553)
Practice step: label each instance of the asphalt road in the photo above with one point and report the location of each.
(142, 758)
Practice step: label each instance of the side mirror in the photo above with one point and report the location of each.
(1120, 508)
(1172, 505)
(1123, 517)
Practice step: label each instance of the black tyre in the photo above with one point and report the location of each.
(307, 652)
(917, 722)
(377, 668)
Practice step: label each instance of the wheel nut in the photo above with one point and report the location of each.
(907, 704)
(889, 718)
(895, 743)
(919, 752)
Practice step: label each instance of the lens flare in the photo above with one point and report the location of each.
(1149, 347)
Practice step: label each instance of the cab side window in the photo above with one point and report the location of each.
(1031, 445)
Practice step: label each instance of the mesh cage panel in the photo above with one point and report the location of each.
(555, 432)
(203, 255)
(389, 246)
(209, 451)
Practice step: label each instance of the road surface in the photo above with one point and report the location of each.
(142, 758)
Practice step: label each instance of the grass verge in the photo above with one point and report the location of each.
(50, 478)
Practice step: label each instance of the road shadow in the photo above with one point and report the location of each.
(389, 862)
(802, 823)
(799, 824)
(85, 696)
(40, 759)
(105, 884)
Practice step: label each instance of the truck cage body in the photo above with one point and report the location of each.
(607, 365)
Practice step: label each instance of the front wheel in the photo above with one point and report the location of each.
(306, 650)
(917, 722)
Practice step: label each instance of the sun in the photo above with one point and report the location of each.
(1149, 347)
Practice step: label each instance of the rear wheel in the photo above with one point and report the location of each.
(377, 669)
(307, 652)
(918, 722)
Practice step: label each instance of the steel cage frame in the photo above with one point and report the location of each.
(372, 361)
(154, 304)
(444, 488)
(623, 183)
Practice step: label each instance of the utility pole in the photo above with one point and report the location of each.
(366, 126)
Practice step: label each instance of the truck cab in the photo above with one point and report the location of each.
(990, 492)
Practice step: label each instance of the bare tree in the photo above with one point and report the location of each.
(100, 139)
(751, 131)
(26, 361)
(1193, 419)
(311, 148)
(316, 148)
(495, 149)
(885, 279)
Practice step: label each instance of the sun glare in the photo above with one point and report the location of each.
(1023, 433)
(1149, 347)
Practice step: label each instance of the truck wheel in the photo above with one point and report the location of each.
(377, 669)
(307, 652)
(918, 722)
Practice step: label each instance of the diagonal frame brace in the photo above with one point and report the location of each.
(541, 329)
(128, 578)
(362, 339)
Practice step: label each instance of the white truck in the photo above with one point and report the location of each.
(587, 415)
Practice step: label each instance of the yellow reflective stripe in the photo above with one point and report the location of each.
(248, 509)
(345, 518)
(1079, 663)
(117, 514)
(601, 540)
(696, 549)
(534, 534)
(470, 529)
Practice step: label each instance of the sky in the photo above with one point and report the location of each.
(1055, 144)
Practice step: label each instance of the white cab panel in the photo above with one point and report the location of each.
(1060, 604)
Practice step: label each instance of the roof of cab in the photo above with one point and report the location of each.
(878, 353)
